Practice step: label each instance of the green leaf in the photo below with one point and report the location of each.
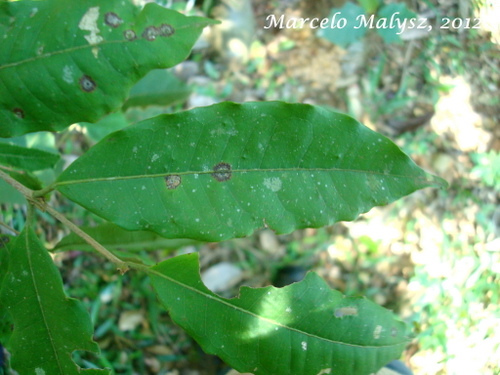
(116, 238)
(5, 319)
(346, 25)
(63, 61)
(305, 328)
(48, 326)
(26, 158)
(159, 87)
(223, 171)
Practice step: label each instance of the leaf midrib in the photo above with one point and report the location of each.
(83, 47)
(164, 174)
(35, 286)
(226, 303)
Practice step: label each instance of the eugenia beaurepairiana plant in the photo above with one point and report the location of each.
(207, 174)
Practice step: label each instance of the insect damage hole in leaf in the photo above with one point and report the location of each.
(222, 172)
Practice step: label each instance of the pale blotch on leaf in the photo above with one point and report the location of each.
(68, 74)
(304, 345)
(112, 19)
(87, 84)
(346, 311)
(173, 181)
(325, 371)
(222, 172)
(39, 371)
(129, 35)
(18, 112)
(376, 332)
(274, 184)
(89, 23)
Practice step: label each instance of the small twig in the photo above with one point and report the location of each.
(40, 204)
(121, 265)
(9, 228)
(44, 191)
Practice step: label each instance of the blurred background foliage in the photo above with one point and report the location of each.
(432, 257)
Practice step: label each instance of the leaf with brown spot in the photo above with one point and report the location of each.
(81, 65)
(222, 171)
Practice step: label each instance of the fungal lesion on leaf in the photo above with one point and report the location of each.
(112, 19)
(130, 35)
(173, 181)
(222, 172)
(87, 84)
(166, 30)
(152, 32)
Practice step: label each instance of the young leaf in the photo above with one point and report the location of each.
(158, 87)
(114, 237)
(223, 171)
(305, 328)
(87, 54)
(48, 326)
(29, 159)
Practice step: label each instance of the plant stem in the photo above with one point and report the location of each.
(40, 203)
(44, 191)
(9, 228)
(121, 265)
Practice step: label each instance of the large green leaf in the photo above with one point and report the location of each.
(63, 61)
(48, 326)
(220, 172)
(305, 328)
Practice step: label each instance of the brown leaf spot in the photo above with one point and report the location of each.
(166, 30)
(150, 33)
(112, 19)
(129, 35)
(87, 84)
(222, 172)
(173, 181)
(18, 112)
